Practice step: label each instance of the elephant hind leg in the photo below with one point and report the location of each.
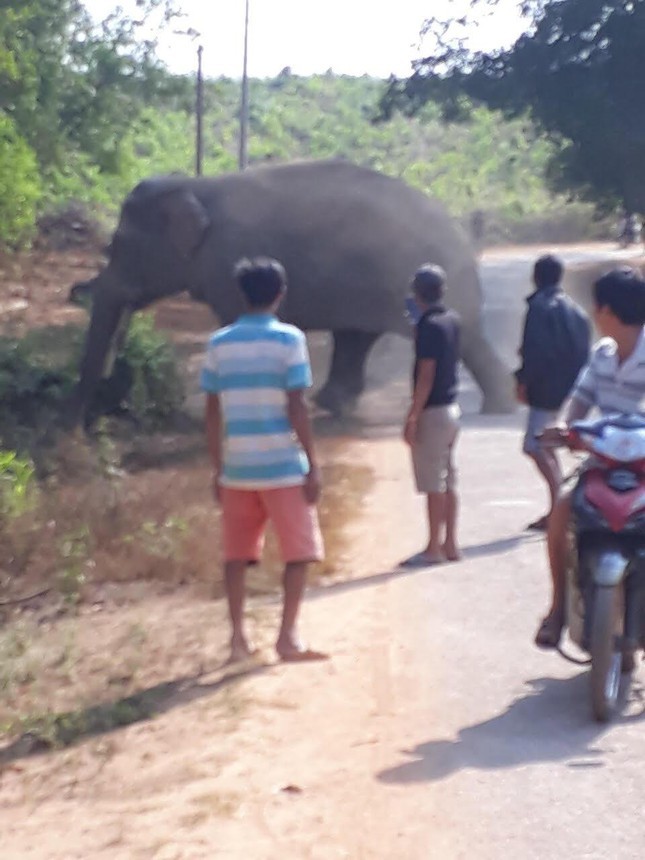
(489, 372)
(346, 379)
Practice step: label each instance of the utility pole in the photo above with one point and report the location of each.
(199, 115)
(244, 105)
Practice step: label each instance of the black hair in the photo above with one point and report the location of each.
(429, 282)
(547, 271)
(261, 280)
(622, 290)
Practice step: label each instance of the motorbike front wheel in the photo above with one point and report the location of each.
(606, 657)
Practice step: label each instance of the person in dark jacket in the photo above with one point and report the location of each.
(555, 347)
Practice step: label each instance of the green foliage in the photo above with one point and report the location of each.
(577, 72)
(38, 371)
(20, 187)
(157, 388)
(73, 550)
(16, 485)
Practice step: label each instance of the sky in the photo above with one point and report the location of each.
(353, 37)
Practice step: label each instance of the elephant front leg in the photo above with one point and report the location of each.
(346, 379)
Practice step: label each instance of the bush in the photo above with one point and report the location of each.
(16, 485)
(20, 187)
(157, 388)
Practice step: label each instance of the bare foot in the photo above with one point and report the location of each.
(292, 651)
(240, 651)
(423, 559)
(452, 552)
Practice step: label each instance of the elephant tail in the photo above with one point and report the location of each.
(489, 371)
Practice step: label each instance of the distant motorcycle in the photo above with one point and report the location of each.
(630, 232)
(605, 607)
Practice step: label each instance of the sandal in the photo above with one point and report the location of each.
(550, 630)
(539, 525)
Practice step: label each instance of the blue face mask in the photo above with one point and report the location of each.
(412, 312)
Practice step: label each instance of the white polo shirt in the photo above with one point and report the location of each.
(612, 387)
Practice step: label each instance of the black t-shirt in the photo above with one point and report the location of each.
(437, 337)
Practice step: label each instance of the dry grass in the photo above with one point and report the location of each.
(115, 630)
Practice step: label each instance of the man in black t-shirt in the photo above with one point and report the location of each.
(432, 423)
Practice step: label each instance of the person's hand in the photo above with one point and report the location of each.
(312, 485)
(216, 487)
(410, 430)
(552, 437)
(520, 393)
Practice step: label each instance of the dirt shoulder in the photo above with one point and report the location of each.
(261, 761)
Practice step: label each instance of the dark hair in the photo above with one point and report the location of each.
(622, 290)
(429, 282)
(547, 271)
(261, 280)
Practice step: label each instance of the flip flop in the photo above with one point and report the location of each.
(540, 525)
(421, 560)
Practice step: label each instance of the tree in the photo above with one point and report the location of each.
(64, 80)
(578, 71)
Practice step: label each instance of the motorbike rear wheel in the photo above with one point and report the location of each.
(606, 658)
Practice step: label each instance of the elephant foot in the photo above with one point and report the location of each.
(335, 400)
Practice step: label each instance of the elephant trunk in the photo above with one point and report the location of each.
(108, 325)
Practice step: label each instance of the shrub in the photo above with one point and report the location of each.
(20, 187)
(157, 388)
(16, 485)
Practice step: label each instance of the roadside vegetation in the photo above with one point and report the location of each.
(86, 111)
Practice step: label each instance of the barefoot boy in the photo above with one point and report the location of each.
(261, 447)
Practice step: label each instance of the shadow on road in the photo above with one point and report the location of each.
(494, 547)
(549, 724)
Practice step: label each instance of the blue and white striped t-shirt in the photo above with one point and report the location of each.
(251, 365)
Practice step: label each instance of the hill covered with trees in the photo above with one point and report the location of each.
(86, 112)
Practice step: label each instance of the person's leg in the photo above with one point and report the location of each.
(451, 544)
(243, 522)
(234, 581)
(295, 577)
(545, 459)
(296, 525)
(437, 511)
(549, 467)
(550, 629)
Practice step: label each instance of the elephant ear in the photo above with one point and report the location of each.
(186, 220)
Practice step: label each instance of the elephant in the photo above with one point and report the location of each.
(579, 278)
(350, 239)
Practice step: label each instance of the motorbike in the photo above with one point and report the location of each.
(605, 606)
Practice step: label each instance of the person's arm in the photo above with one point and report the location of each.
(298, 413)
(214, 438)
(426, 370)
(299, 378)
(529, 351)
(210, 384)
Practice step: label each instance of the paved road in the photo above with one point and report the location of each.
(494, 753)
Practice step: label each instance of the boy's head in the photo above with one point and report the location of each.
(263, 282)
(547, 271)
(619, 300)
(428, 284)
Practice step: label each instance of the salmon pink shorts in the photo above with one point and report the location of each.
(245, 514)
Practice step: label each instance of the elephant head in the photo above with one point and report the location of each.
(162, 225)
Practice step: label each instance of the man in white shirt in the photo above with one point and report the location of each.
(613, 382)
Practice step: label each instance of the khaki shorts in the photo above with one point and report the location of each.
(245, 514)
(432, 453)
